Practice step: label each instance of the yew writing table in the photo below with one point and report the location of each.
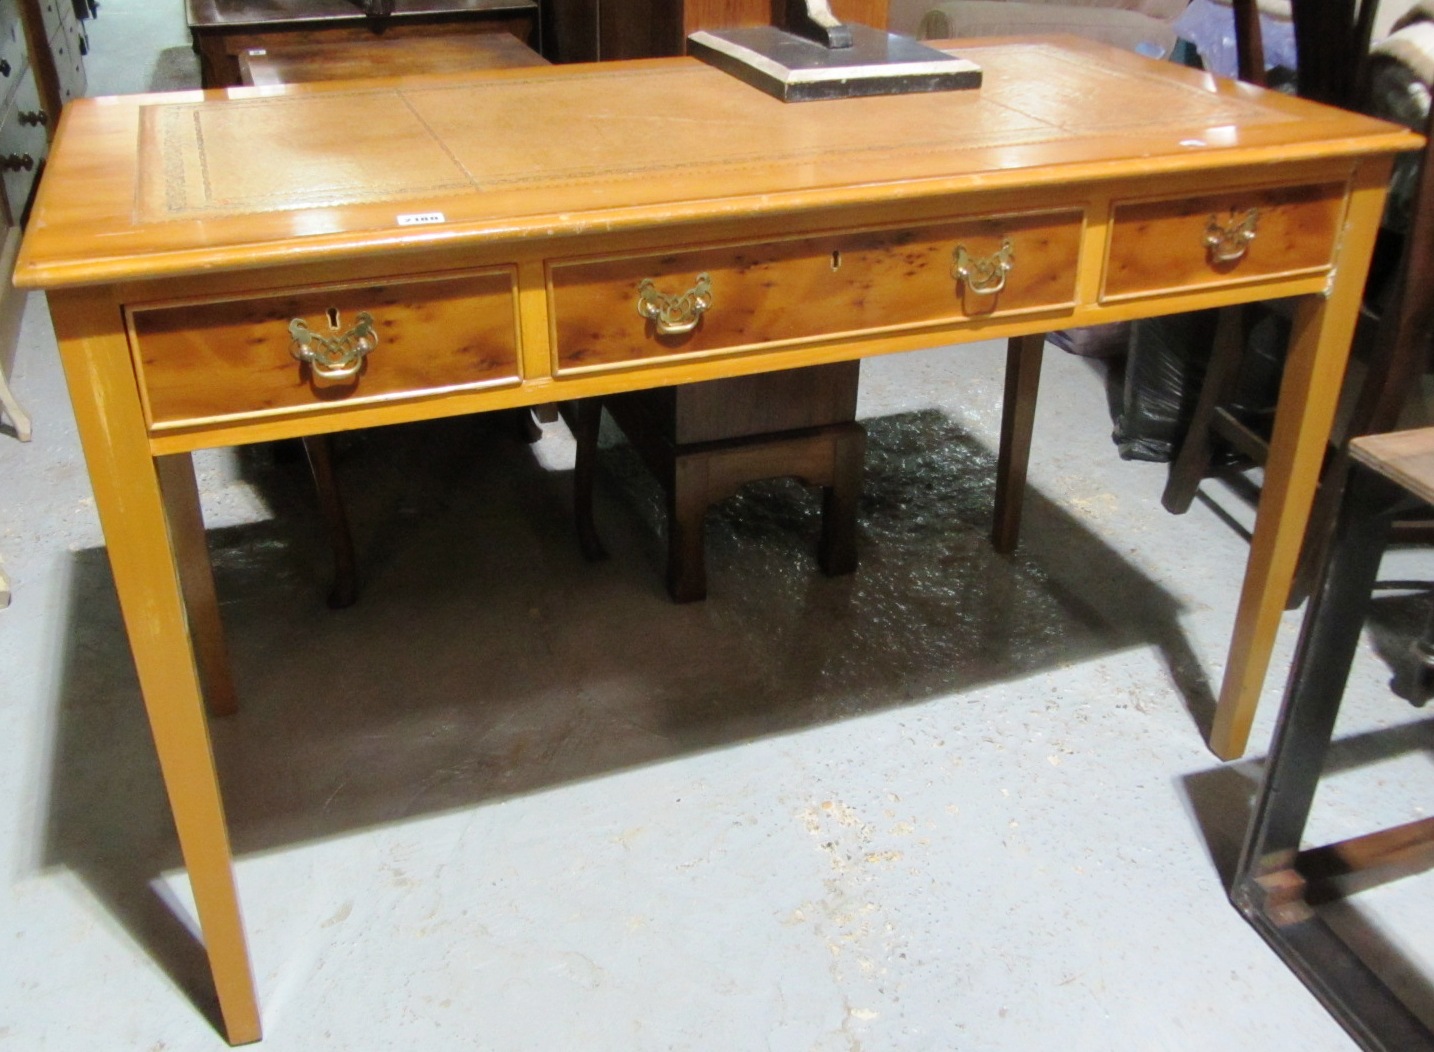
(253, 264)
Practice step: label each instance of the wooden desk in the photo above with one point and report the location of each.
(505, 262)
(224, 29)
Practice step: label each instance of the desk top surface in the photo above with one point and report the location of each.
(160, 185)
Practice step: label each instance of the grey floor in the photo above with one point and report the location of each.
(514, 801)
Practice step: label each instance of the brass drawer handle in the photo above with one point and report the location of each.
(333, 359)
(985, 276)
(674, 315)
(1229, 242)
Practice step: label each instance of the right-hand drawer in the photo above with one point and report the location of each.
(1221, 239)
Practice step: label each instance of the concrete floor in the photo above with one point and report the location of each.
(512, 801)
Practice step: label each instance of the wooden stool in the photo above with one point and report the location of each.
(703, 442)
(1278, 882)
(297, 60)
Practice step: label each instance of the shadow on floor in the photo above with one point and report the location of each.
(485, 659)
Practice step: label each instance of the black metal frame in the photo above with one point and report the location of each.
(1276, 883)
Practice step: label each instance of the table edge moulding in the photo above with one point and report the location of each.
(203, 300)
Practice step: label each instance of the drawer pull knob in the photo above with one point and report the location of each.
(985, 276)
(1228, 242)
(674, 315)
(37, 118)
(333, 359)
(18, 162)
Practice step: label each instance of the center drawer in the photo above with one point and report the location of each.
(213, 360)
(617, 311)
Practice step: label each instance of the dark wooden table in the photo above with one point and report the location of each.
(223, 29)
(383, 57)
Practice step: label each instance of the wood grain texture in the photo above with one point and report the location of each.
(549, 152)
(1405, 457)
(742, 406)
(381, 57)
(804, 287)
(1160, 245)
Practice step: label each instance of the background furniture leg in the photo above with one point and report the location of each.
(17, 415)
(1018, 419)
(196, 575)
(585, 419)
(1197, 449)
(837, 553)
(1326, 649)
(687, 501)
(319, 450)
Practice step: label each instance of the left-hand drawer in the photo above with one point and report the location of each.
(218, 360)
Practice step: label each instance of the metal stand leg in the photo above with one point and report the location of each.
(1272, 886)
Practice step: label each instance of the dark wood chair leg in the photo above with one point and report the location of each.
(1018, 418)
(1249, 46)
(687, 501)
(585, 419)
(319, 451)
(526, 425)
(201, 602)
(1197, 451)
(837, 554)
